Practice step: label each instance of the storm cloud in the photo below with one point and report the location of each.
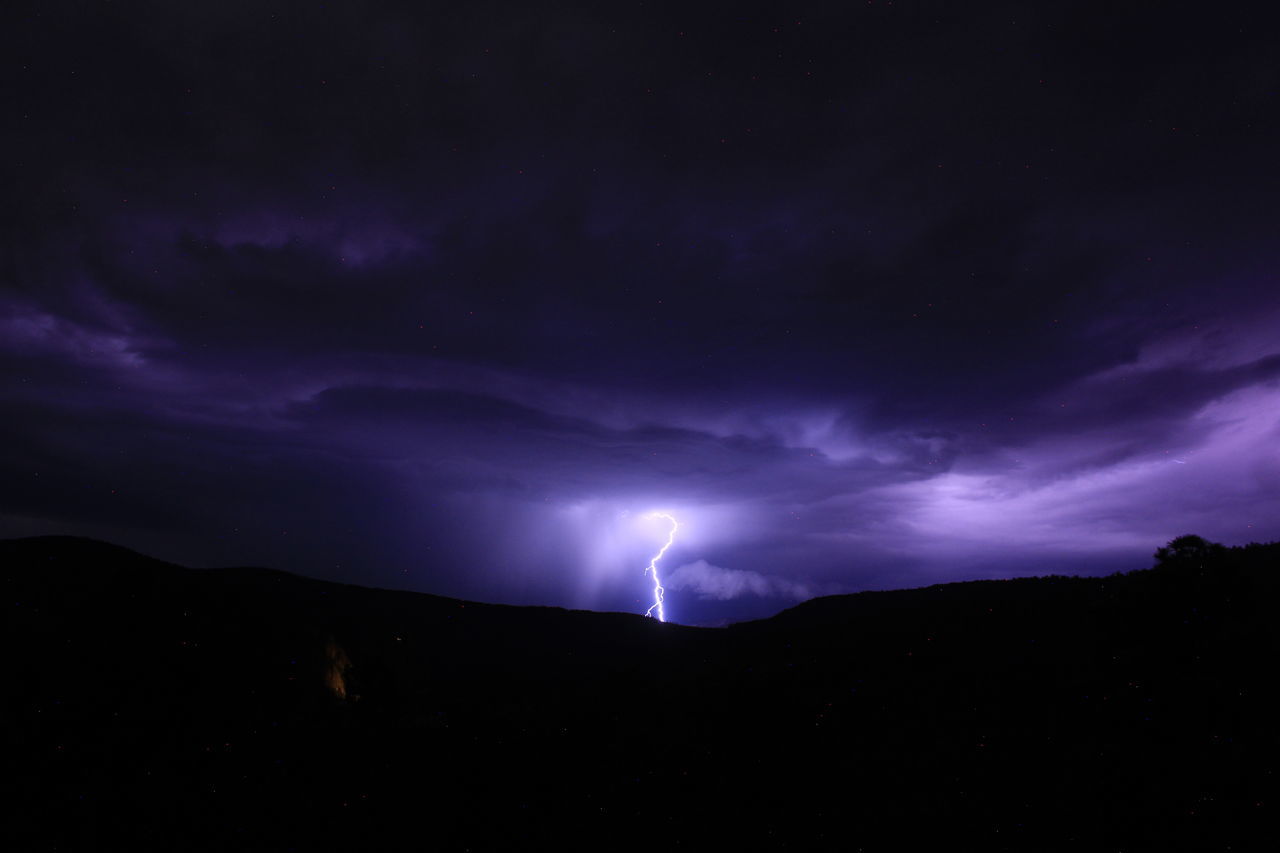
(872, 297)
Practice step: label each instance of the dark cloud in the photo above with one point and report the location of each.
(873, 295)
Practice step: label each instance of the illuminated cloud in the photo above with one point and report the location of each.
(457, 330)
(714, 582)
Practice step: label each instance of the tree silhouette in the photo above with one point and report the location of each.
(1188, 551)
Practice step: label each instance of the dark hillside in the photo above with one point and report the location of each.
(152, 706)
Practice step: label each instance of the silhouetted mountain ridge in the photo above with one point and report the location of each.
(156, 706)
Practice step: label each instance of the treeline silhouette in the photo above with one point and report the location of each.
(148, 706)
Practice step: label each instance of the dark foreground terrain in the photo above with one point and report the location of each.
(148, 706)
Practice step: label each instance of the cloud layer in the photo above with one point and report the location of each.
(871, 297)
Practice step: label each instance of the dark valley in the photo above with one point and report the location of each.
(149, 706)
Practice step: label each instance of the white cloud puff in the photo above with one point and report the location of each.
(714, 582)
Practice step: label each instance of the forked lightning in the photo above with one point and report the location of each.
(652, 568)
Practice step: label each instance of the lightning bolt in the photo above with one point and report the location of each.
(652, 568)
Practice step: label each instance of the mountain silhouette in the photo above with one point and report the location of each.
(150, 706)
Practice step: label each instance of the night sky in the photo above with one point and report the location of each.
(448, 297)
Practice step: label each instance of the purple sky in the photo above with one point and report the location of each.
(449, 298)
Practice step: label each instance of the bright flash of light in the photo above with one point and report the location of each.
(652, 568)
